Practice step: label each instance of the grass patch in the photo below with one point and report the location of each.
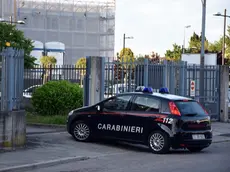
(58, 120)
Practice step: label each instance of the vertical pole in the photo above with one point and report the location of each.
(201, 91)
(87, 81)
(102, 82)
(184, 42)
(15, 10)
(165, 73)
(123, 61)
(224, 37)
(4, 83)
(11, 79)
(146, 70)
(172, 78)
(2, 15)
(124, 43)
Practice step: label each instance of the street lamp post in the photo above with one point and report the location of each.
(202, 54)
(224, 35)
(186, 27)
(124, 38)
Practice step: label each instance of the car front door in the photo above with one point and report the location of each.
(140, 116)
(109, 120)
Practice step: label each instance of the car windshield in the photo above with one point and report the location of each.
(190, 108)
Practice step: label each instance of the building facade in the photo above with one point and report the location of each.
(85, 27)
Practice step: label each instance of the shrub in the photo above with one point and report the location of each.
(57, 98)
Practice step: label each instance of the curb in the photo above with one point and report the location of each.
(44, 164)
(46, 125)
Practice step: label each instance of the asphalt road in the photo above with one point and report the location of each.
(136, 159)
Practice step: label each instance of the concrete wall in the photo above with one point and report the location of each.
(12, 129)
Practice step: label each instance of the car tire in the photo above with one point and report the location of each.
(159, 142)
(81, 131)
(195, 149)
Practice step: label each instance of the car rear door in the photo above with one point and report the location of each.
(140, 118)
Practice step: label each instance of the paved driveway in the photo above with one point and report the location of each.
(45, 144)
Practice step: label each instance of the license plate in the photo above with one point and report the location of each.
(198, 136)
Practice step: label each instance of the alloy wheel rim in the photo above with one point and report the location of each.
(157, 142)
(81, 131)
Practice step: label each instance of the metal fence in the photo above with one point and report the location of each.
(40, 74)
(126, 76)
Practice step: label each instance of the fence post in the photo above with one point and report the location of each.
(224, 84)
(172, 78)
(146, 70)
(94, 80)
(86, 83)
(12, 116)
(165, 74)
(183, 78)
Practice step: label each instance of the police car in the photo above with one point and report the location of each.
(158, 120)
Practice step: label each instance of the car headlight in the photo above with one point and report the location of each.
(70, 113)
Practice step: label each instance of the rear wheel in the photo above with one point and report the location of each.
(195, 149)
(159, 142)
(81, 131)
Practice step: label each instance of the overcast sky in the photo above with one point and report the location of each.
(157, 24)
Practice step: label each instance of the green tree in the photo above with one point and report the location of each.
(126, 55)
(227, 40)
(216, 46)
(81, 66)
(140, 58)
(175, 53)
(126, 59)
(195, 43)
(10, 34)
(153, 57)
(47, 62)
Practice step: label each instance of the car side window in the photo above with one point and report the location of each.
(146, 104)
(165, 107)
(119, 103)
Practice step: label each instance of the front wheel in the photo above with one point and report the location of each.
(195, 149)
(81, 131)
(159, 142)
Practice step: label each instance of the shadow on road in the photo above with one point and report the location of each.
(136, 147)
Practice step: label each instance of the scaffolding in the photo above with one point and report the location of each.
(86, 27)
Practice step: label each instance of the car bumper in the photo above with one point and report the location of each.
(184, 139)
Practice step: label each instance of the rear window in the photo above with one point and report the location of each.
(190, 107)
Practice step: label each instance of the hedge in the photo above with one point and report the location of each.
(57, 98)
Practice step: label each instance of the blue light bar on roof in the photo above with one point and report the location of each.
(164, 90)
(144, 89)
(147, 90)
